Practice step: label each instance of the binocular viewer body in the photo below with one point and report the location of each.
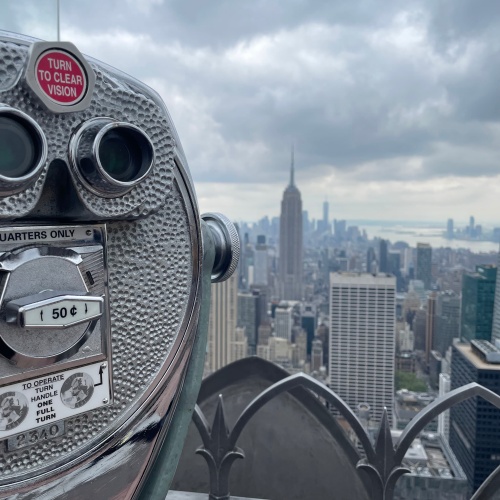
(105, 271)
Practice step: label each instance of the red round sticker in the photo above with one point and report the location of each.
(61, 77)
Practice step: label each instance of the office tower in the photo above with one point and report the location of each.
(308, 323)
(283, 322)
(245, 264)
(339, 228)
(405, 339)
(222, 323)
(447, 325)
(290, 263)
(265, 331)
(478, 299)
(261, 264)
(383, 265)
(316, 355)
(419, 329)
(495, 335)
(471, 228)
(423, 269)
(449, 229)
(474, 429)
(238, 346)
(362, 340)
(248, 317)
(394, 262)
(407, 260)
(394, 267)
(444, 418)
(326, 217)
(429, 325)
(371, 261)
(326, 208)
(299, 356)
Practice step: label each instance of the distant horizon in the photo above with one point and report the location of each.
(394, 222)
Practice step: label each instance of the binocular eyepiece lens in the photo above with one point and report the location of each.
(20, 147)
(124, 154)
(110, 157)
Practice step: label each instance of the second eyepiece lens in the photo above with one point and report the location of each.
(124, 154)
(110, 157)
(20, 147)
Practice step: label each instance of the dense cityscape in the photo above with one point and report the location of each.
(382, 324)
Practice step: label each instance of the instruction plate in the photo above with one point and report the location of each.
(42, 401)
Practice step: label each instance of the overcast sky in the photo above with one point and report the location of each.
(393, 107)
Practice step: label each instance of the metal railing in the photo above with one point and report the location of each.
(383, 461)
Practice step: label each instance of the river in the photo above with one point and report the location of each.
(432, 235)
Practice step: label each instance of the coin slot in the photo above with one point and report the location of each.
(90, 277)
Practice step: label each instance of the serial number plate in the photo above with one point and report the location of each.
(34, 436)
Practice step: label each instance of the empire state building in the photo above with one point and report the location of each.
(291, 263)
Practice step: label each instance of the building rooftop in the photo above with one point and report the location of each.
(364, 278)
(486, 351)
(476, 359)
(430, 456)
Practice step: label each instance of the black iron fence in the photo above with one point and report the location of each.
(383, 462)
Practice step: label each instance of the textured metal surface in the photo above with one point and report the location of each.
(149, 278)
(163, 470)
(111, 98)
(383, 462)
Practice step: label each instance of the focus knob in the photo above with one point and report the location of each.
(227, 245)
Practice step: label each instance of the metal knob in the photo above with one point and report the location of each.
(227, 245)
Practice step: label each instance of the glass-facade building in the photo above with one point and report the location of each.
(478, 298)
(423, 271)
(474, 423)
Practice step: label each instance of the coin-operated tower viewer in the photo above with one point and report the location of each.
(105, 272)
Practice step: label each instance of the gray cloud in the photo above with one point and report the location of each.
(407, 92)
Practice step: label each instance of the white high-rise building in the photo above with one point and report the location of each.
(444, 417)
(283, 322)
(363, 340)
(261, 264)
(239, 345)
(222, 323)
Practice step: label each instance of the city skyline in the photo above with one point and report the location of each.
(388, 108)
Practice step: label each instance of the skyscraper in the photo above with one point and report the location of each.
(478, 298)
(290, 263)
(430, 321)
(363, 339)
(222, 323)
(444, 417)
(326, 217)
(382, 257)
(474, 429)
(447, 321)
(495, 334)
(370, 260)
(261, 266)
(308, 317)
(248, 317)
(424, 264)
(449, 229)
